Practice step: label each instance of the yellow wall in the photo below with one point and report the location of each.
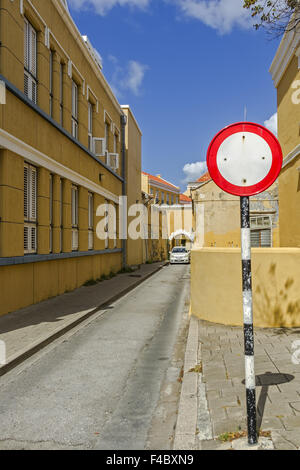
(34, 139)
(219, 215)
(217, 296)
(26, 284)
(289, 137)
(135, 255)
(289, 207)
(288, 112)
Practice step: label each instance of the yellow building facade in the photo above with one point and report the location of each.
(62, 141)
(285, 71)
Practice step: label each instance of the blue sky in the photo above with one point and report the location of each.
(186, 67)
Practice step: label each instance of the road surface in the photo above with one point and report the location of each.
(113, 383)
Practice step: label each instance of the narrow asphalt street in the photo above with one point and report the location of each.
(111, 384)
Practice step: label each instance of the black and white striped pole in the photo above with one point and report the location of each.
(248, 320)
(245, 159)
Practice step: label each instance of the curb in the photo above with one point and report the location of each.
(35, 347)
(186, 426)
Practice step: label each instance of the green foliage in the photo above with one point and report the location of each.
(278, 15)
(90, 282)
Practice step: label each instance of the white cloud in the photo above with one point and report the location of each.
(102, 7)
(222, 15)
(193, 171)
(129, 78)
(272, 124)
(134, 77)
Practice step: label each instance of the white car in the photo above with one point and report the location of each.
(179, 254)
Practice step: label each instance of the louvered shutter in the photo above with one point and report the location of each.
(26, 44)
(33, 239)
(255, 238)
(32, 51)
(26, 192)
(266, 239)
(30, 208)
(33, 185)
(26, 239)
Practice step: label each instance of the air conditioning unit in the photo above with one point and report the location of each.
(99, 147)
(113, 161)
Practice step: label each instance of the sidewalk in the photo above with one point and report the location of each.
(212, 405)
(27, 330)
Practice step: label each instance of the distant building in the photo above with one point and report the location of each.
(216, 216)
(162, 190)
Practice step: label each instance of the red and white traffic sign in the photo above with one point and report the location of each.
(244, 159)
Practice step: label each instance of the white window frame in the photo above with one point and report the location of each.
(51, 60)
(30, 209)
(259, 223)
(115, 143)
(107, 130)
(61, 216)
(30, 61)
(50, 213)
(74, 218)
(91, 221)
(115, 222)
(74, 109)
(106, 224)
(61, 93)
(90, 127)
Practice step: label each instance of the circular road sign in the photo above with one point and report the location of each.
(244, 159)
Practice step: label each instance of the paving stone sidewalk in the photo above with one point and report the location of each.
(212, 403)
(277, 369)
(27, 330)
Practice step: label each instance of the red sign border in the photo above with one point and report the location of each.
(277, 159)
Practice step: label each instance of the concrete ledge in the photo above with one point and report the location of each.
(186, 426)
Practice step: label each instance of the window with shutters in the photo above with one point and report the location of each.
(61, 93)
(51, 213)
(51, 59)
(106, 229)
(74, 209)
(74, 110)
(107, 126)
(91, 221)
(30, 61)
(261, 231)
(30, 209)
(90, 127)
(115, 222)
(115, 143)
(61, 219)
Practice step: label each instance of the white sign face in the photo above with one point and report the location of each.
(244, 159)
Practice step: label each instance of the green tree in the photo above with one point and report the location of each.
(277, 16)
